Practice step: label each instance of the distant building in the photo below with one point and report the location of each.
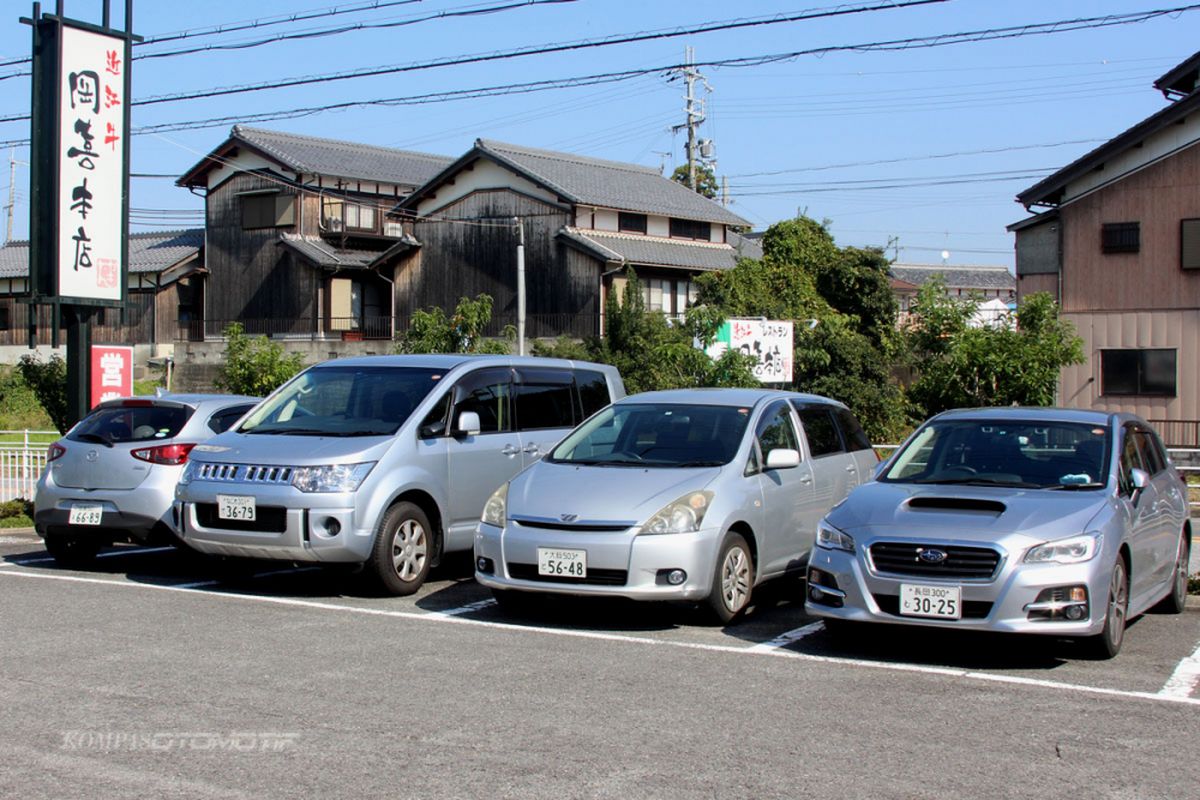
(1117, 241)
(989, 283)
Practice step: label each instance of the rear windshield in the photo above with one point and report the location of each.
(136, 424)
(637, 435)
(344, 401)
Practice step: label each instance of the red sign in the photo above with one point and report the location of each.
(112, 372)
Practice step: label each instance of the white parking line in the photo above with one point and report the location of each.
(443, 617)
(125, 551)
(479, 605)
(784, 639)
(1185, 677)
(194, 584)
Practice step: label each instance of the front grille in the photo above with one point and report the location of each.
(595, 577)
(902, 558)
(242, 473)
(268, 519)
(581, 527)
(971, 609)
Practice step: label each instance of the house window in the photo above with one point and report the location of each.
(337, 215)
(1189, 243)
(631, 223)
(5, 319)
(268, 211)
(667, 296)
(1120, 237)
(1138, 372)
(690, 229)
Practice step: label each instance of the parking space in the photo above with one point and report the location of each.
(1160, 661)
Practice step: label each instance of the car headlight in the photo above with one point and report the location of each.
(1075, 550)
(681, 516)
(831, 538)
(496, 507)
(189, 472)
(331, 478)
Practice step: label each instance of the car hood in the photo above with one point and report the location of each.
(974, 513)
(242, 448)
(600, 494)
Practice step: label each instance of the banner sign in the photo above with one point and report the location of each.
(769, 341)
(112, 372)
(91, 158)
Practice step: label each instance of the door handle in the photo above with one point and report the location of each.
(509, 450)
(806, 479)
(532, 449)
(851, 468)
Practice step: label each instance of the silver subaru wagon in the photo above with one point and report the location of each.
(692, 494)
(381, 460)
(1048, 521)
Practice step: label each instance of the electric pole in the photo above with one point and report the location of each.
(12, 193)
(694, 109)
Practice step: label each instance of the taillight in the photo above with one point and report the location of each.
(55, 450)
(170, 454)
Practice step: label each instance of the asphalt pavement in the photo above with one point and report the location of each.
(159, 673)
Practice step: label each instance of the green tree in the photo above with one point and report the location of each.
(254, 365)
(958, 364)
(706, 181)
(432, 331)
(48, 381)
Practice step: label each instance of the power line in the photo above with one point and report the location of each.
(814, 189)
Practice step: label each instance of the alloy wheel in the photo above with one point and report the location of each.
(735, 579)
(409, 549)
(1118, 604)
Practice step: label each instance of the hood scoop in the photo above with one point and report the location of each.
(957, 504)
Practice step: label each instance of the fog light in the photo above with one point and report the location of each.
(332, 526)
(484, 565)
(1075, 613)
(676, 577)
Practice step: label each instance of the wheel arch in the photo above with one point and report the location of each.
(426, 502)
(743, 528)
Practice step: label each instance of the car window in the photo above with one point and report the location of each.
(434, 424)
(132, 423)
(1152, 456)
(593, 391)
(543, 398)
(488, 393)
(823, 438)
(775, 430)
(1131, 459)
(654, 435)
(224, 419)
(853, 435)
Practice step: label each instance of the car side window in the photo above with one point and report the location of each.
(1152, 456)
(819, 427)
(223, 420)
(487, 392)
(434, 424)
(1131, 459)
(775, 431)
(852, 432)
(592, 387)
(543, 398)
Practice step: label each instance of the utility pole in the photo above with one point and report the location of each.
(695, 114)
(12, 193)
(520, 223)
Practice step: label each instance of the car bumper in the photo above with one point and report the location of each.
(847, 588)
(142, 514)
(619, 564)
(323, 528)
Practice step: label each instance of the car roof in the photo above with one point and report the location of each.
(1034, 414)
(193, 399)
(449, 361)
(724, 397)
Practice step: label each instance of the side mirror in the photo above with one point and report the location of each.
(1140, 480)
(783, 458)
(468, 424)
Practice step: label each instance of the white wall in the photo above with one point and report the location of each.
(485, 175)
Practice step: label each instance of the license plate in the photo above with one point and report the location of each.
(941, 602)
(85, 514)
(562, 563)
(235, 507)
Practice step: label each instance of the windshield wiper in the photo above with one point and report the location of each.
(94, 437)
(698, 464)
(287, 432)
(980, 482)
(1072, 487)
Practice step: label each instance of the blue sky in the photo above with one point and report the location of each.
(954, 131)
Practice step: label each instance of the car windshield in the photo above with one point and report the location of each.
(133, 421)
(656, 435)
(1029, 454)
(343, 401)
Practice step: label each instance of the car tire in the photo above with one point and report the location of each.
(403, 550)
(733, 579)
(70, 550)
(1176, 601)
(1107, 643)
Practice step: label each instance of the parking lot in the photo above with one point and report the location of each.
(161, 673)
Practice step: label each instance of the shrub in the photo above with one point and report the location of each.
(254, 365)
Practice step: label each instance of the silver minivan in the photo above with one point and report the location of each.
(692, 494)
(382, 460)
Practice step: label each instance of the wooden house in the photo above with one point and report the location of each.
(298, 241)
(1117, 240)
(584, 222)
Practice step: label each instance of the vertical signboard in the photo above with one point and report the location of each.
(91, 179)
(769, 341)
(112, 372)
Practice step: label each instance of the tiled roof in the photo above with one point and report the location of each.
(652, 250)
(956, 277)
(148, 252)
(608, 184)
(325, 254)
(336, 158)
